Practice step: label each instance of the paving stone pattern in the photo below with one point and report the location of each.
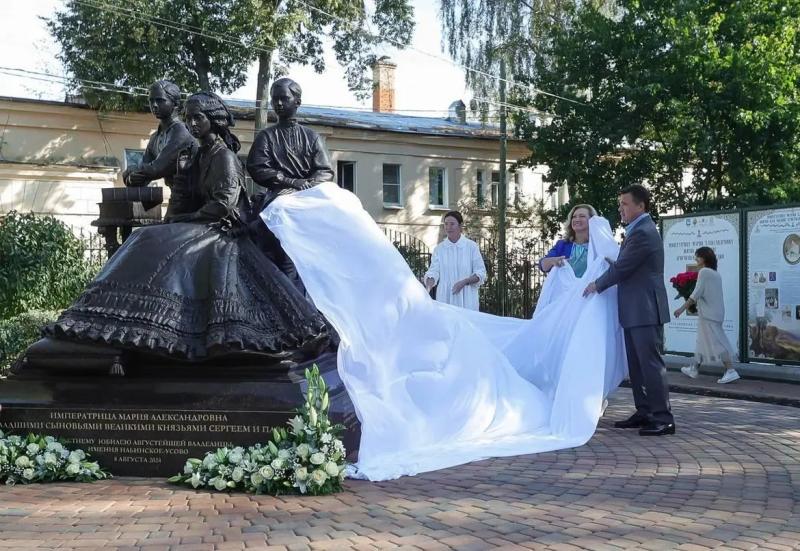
(730, 479)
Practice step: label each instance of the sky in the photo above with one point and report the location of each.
(26, 44)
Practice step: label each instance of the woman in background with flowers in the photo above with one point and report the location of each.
(712, 343)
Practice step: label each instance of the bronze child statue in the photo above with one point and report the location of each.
(284, 158)
(160, 158)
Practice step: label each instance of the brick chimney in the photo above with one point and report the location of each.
(383, 86)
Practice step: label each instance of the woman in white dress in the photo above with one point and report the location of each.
(457, 269)
(712, 343)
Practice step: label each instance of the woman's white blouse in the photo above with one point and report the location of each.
(452, 262)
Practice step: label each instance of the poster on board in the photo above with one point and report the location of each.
(773, 284)
(682, 237)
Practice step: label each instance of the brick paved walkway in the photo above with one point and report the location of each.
(730, 479)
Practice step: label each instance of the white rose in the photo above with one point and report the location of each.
(303, 451)
(284, 454)
(277, 464)
(210, 461)
(318, 458)
(256, 479)
(331, 469)
(218, 483)
(301, 473)
(267, 472)
(326, 438)
(27, 474)
(55, 447)
(73, 469)
(319, 477)
(76, 457)
(23, 462)
(50, 458)
(195, 481)
(235, 457)
(32, 448)
(237, 474)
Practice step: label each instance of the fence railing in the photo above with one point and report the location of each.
(523, 278)
(93, 245)
(413, 249)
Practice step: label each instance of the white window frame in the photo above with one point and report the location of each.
(445, 199)
(399, 184)
(494, 188)
(480, 188)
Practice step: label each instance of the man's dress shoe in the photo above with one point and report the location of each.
(635, 421)
(657, 429)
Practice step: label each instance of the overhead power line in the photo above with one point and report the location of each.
(397, 43)
(139, 91)
(191, 29)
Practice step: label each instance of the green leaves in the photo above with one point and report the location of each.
(697, 99)
(309, 459)
(210, 44)
(43, 266)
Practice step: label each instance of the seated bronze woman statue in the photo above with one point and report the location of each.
(189, 289)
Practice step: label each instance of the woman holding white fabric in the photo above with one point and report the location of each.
(457, 268)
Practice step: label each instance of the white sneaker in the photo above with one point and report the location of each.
(690, 371)
(730, 376)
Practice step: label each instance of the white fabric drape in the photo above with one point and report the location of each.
(434, 385)
(452, 262)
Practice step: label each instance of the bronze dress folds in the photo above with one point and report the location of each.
(190, 291)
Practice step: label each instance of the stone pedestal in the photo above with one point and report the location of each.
(150, 421)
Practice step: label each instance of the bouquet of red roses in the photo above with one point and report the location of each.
(685, 283)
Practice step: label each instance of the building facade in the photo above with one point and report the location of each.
(407, 171)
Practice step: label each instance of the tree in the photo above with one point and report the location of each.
(209, 44)
(132, 44)
(478, 33)
(698, 99)
(294, 29)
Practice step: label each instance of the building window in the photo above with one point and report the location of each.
(346, 175)
(495, 187)
(437, 187)
(479, 192)
(132, 158)
(391, 185)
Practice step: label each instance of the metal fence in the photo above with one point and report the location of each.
(414, 250)
(94, 250)
(523, 279)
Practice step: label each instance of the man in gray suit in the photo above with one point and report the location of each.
(643, 311)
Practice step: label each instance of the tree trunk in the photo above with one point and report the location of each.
(262, 88)
(202, 65)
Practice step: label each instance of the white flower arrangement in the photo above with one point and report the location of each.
(36, 458)
(306, 458)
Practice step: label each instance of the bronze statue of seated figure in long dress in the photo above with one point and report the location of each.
(188, 290)
(284, 158)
